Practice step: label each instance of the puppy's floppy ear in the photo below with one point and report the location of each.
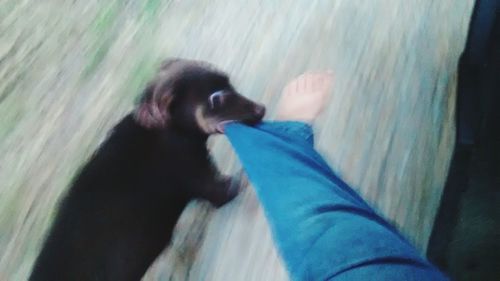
(167, 63)
(152, 111)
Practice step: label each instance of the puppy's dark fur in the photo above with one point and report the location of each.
(121, 209)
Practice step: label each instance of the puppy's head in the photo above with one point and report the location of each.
(196, 97)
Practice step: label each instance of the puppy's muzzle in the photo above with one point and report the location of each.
(259, 111)
(254, 117)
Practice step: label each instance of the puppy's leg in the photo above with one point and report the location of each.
(219, 190)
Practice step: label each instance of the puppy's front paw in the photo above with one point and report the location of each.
(228, 188)
(238, 182)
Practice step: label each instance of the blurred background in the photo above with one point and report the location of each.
(70, 69)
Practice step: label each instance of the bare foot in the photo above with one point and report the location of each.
(304, 97)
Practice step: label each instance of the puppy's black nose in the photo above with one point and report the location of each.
(260, 110)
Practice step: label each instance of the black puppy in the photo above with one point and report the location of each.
(121, 209)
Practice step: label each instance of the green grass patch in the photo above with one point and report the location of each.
(96, 58)
(106, 18)
(103, 36)
(141, 73)
(151, 7)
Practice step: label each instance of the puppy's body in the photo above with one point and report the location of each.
(120, 212)
(122, 207)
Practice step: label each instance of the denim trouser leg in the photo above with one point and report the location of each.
(323, 229)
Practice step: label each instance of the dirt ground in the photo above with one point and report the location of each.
(69, 69)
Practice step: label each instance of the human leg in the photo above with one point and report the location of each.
(323, 229)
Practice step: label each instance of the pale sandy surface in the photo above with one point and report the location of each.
(70, 69)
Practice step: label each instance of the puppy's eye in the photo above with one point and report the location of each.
(216, 100)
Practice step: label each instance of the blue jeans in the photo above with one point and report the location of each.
(323, 229)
